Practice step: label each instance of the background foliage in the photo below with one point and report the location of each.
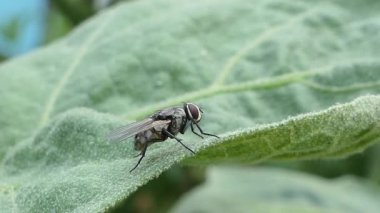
(279, 80)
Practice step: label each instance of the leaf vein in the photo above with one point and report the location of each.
(262, 38)
(269, 83)
(49, 106)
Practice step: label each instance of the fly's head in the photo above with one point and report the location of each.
(193, 112)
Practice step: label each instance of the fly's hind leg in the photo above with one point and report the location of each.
(170, 135)
(142, 153)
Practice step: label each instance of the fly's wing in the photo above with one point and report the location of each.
(132, 129)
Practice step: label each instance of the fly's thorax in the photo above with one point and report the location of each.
(175, 125)
(184, 126)
(178, 122)
(169, 113)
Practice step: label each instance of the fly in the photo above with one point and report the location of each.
(164, 124)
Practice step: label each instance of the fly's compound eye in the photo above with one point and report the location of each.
(194, 112)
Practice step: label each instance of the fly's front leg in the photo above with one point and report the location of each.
(204, 133)
(170, 135)
(142, 156)
(192, 129)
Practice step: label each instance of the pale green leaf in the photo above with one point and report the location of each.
(265, 72)
(69, 166)
(272, 190)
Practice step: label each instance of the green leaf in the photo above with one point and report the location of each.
(71, 167)
(374, 170)
(336, 132)
(274, 190)
(257, 68)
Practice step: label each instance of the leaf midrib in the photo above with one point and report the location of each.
(260, 84)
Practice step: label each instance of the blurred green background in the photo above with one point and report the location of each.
(35, 23)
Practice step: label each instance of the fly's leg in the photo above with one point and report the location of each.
(170, 135)
(204, 133)
(142, 156)
(192, 129)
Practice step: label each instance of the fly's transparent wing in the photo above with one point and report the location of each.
(129, 130)
(132, 129)
(131, 126)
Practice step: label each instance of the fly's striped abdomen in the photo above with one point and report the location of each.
(150, 136)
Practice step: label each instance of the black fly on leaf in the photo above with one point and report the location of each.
(164, 124)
